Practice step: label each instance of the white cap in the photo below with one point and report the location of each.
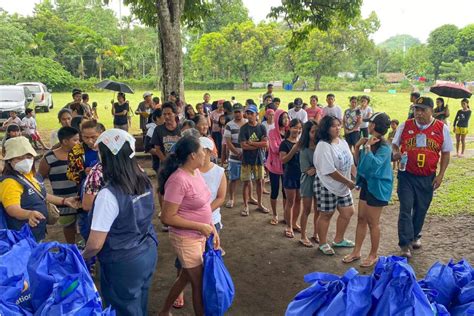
(147, 94)
(115, 138)
(206, 143)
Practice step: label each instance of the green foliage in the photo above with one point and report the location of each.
(399, 42)
(416, 62)
(222, 13)
(465, 43)
(451, 71)
(439, 42)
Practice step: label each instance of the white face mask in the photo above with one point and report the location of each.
(24, 166)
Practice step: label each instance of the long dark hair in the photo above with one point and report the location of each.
(183, 148)
(186, 108)
(305, 139)
(293, 123)
(122, 171)
(324, 126)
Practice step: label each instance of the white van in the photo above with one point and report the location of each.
(14, 98)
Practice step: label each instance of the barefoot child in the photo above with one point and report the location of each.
(29, 124)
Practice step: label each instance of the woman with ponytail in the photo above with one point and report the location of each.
(187, 210)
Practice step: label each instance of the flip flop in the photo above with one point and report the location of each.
(368, 263)
(245, 212)
(253, 202)
(274, 221)
(306, 243)
(327, 249)
(297, 229)
(229, 204)
(263, 209)
(349, 259)
(344, 244)
(177, 305)
(289, 234)
(314, 239)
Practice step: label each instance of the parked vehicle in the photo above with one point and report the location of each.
(14, 98)
(42, 96)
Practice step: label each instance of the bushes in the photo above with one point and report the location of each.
(210, 85)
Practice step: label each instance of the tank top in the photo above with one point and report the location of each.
(213, 180)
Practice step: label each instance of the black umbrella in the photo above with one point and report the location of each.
(114, 86)
(451, 90)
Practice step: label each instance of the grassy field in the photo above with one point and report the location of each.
(453, 197)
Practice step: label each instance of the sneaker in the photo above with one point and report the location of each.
(229, 204)
(416, 244)
(405, 252)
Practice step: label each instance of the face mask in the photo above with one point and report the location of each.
(24, 166)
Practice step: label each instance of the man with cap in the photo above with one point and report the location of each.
(231, 136)
(253, 140)
(144, 109)
(424, 141)
(297, 112)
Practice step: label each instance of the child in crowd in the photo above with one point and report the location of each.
(461, 123)
(290, 157)
(29, 125)
(269, 123)
(95, 116)
(13, 119)
(331, 108)
(393, 125)
(13, 130)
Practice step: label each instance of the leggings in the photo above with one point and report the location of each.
(217, 136)
(275, 185)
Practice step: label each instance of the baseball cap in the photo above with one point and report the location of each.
(251, 108)
(424, 102)
(381, 120)
(206, 143)
(238, 107)
(115, 138)
(298, 102)
(147, 94)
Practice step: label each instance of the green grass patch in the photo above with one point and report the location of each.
(455, 194)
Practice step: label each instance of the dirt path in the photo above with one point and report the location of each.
(268, 268)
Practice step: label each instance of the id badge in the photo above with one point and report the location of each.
(420, 140)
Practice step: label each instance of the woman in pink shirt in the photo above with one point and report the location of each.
(273, 163)
(187, 211)
(315, 113)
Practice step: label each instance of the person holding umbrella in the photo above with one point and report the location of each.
(120, 111)
(419, 144)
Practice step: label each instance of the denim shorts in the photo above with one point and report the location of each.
(234, 170)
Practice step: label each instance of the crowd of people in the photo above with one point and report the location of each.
(316, 156)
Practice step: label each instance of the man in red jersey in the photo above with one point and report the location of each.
(424, 140)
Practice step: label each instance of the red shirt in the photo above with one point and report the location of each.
(422, 161)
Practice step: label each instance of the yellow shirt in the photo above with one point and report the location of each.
(11, 190)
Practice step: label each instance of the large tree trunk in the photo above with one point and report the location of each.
(169, 35)
(317, 82)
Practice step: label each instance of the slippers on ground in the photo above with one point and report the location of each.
(367, 263)
(314, 239)
(297, 229)
(344, 244)
(263, 209)
(274, 221)
(266, 192)
(289, 234)
(253, 202)
(178, 304)
(349, 259)
(327, 249)
(306, 243)
(229, 204)
(245, 212)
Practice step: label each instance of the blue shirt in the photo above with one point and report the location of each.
(376, 169)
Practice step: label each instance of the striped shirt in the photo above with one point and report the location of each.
(231, 131)
(59, 182)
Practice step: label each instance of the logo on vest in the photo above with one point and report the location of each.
(31, 191)
(411, 132)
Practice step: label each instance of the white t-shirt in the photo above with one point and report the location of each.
(268, 127)
(213, 180)
(366, 113)
(302, 115)
(332, 157)
(106, 210)
(447, 143)
(335, 110)
(29, 123)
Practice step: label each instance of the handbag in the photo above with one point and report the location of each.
(53, 211)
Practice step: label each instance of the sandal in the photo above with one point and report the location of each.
(349, 259)
(229, 204)
(343, 244)
(245, 211)
(367, 263)
(289, 234)
(274, 221)
(306, 243)
(327, 249)
(177, 304)
(263, 209)
(315, 239)
(297, 229)
(253, 202)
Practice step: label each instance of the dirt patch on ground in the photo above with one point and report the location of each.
(268, 268)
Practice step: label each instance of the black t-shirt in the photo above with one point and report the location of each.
(165, 138)
(256, 134)
(292, 167)
(121, 119)
(462, 118)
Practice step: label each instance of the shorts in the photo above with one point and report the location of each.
(327, 201)
(188, 249)
(291, 182)
(306, 186)
(67, 220)
(234, 170)
(461, 130)
(352, 138)
(366, 196)
(364, 132)
(35, 137)
(252, 172)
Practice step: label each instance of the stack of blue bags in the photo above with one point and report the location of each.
(44, 279)
(392, 289)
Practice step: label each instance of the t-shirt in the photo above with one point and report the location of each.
(447, 143)
(207, 108)
(335, 110)
(215, 120)
(213, 178)
(11, 190)
(192, 195)
(11, 121)
(462, 118)
(29, 123)
(366, 113)
(350, 118)
(165, 138)
(291, 169)
(231, 131)
(267, 126)
(312, 113)
(106, 210)
(256, 134)
(333, 157)
(121, 119)
(143, 108)
(301, 115)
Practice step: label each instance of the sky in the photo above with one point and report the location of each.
(414, 17)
